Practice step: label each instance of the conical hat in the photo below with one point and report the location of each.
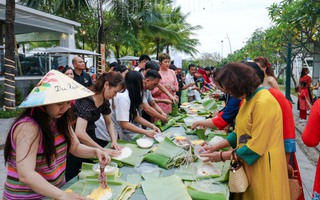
(55, 87)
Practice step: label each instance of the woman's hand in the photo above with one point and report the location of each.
(195, 125)
(150, 133)
(112, 152)
(212, 157)
(156, 129)
(211, 149)
(166, 101)
(116, 146)
(102, 156)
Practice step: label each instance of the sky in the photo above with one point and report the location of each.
(230, 21)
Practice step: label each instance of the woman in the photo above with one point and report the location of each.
(88, 110)
(226, 116)
(260, 147)
(169, 81)
(68, 71)
(269, 78)
(103, 137)
(289, 130)
(126, 109)
(304, 77)
(311, 138)
(38, 142)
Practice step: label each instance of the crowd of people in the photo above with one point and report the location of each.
(60, 129)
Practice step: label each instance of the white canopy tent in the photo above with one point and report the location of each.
(60, 51)
(128, 58)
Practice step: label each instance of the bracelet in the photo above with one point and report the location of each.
(221, 158)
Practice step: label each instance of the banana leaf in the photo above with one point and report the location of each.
(189, 131)
(137, 154)
(225, 172)
(167, 155)
(189, 172)
(203, 113)
(200, 134)
(175, 110)
(158, 123)
(170, 187)
(151, 175)
(159, 160)
(199, 195)
(170, 123)
(209, 104)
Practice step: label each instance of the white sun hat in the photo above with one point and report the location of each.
(55, 87)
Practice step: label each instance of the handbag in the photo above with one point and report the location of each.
(238, 180)
(295, 189)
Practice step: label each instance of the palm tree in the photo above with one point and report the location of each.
(141, 17)
(176, 22)
(9, 82)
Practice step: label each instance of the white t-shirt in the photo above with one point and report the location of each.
(121, 113)
(101, 129)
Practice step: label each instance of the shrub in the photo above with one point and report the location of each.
(280, 81)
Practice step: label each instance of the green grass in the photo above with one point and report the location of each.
(10, 114)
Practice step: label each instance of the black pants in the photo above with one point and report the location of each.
(74, 163)
(102, 143)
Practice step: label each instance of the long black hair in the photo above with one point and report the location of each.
(304, 72)
(134, 85)
(42, 119)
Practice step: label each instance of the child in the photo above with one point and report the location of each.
(40, 138)
(184, 88)
(303, 100)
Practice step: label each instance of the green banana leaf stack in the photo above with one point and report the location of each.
(167, 155)
(209, 104)
(170, 123)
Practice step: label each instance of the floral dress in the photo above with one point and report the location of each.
(169, 80)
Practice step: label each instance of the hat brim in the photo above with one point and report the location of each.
(55, 87)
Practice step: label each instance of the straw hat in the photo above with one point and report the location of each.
(55, 87)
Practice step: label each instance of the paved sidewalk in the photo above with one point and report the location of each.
(307, 157)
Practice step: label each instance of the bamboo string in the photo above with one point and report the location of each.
(9, 80)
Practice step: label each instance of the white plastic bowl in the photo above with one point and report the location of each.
(145, 143)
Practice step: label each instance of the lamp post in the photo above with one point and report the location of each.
(288, 68)
(83, 33)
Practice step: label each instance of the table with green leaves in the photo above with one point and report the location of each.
(164, 171)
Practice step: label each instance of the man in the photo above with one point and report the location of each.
(152, 65)
(112, 66)
(193, 92)
(80, 75)
(142, 62)
(151, 80)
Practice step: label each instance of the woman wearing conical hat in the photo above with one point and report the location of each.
(40, 138)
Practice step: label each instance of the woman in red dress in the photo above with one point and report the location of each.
(311, 138)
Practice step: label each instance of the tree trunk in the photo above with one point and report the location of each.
(101, 38)
(9, 81)
(158, 47)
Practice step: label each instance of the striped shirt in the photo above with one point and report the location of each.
(14, 189)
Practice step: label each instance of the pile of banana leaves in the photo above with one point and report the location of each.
(172, 121)
(167, 155)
